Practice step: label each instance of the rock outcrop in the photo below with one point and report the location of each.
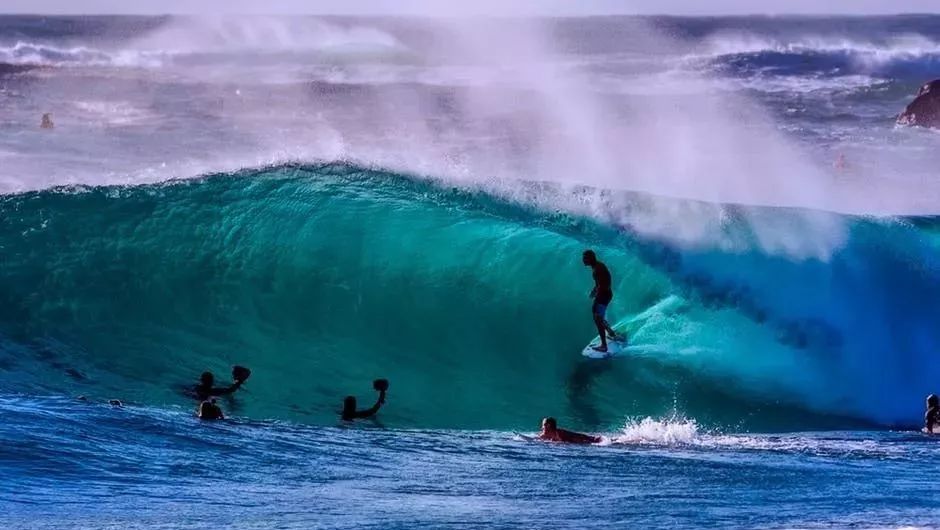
(924, 111)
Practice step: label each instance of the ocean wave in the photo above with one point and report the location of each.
(186, 40)
(895, 55)
(238, 34)
(323, 277)
(899, 46)
(32, 53)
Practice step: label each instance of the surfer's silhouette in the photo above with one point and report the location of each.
(602, 294)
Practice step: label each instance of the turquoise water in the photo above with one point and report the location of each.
(321, 278)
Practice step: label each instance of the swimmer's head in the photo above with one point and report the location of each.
(207, 378)
(349, 404)
(933, 400)
(589, 257)
(549, 425)
(208, 410)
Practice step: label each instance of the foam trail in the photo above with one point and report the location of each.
(648, 430)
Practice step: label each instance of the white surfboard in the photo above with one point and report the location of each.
(614, 347)
(526, 437)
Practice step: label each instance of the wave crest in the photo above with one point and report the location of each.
(835, 55)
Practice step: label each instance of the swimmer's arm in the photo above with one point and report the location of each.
(578, 438)
(375, 408)
(227, 390)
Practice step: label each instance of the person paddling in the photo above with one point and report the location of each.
(350, 412)
(551, 433)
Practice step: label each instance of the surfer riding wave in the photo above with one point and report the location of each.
(602, 294)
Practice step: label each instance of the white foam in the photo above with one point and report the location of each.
(662, 432)
(680, 432)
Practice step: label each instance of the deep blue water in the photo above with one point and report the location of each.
(94, 466)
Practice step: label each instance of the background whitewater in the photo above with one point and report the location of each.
(661, 105)
(776, 316)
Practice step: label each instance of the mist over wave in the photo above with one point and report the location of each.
(742, 110)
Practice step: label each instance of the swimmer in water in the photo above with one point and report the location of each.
(208, 410)
(205, 389)
(46, 121)
(841, 164)
(932, 416)
(349, 403)
(551, 433)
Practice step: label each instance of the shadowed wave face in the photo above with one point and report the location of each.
(321, 278)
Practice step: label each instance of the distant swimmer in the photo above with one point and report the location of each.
(208, 410)
(349, 403)
(46, 122)
(205, 389)
(602, 294)
(932, 416)
(551, 433)
(841, 164)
